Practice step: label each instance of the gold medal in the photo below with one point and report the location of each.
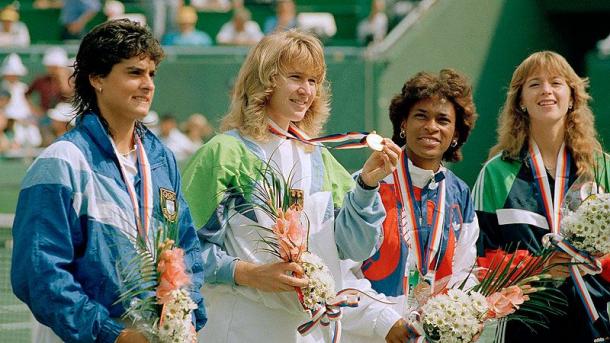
(422, 292)
(374, 141)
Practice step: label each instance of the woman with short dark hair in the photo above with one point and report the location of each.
(88, 194)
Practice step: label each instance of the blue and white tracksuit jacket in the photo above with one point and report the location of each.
(71, 232)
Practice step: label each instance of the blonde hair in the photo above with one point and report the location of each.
(271, 58)
(580, 136)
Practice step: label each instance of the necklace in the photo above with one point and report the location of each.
(128, 152)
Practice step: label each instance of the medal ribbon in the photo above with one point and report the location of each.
(297, 134)
(424, 249)
(583, 261)
(551, 206)
(142, 214)
(552, 212)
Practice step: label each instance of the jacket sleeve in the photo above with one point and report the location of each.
(47, 234)
(483, 194)
(466, 247)
(189, 242)
(216, 167)
(360, 213)
(370, 318)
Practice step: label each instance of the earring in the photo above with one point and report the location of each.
(523, 109)
(101, 90)
(402, 134)
(454, 143)
(570, 106)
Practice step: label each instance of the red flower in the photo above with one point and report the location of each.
(498, 260)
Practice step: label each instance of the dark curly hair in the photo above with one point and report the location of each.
(448, 84)
(106, 45)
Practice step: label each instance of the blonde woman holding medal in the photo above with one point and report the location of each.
(546, 141)
(104, 181)
(281, 91)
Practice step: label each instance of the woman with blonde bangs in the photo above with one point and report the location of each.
(250, 293)
(546, 136)
(251, 92)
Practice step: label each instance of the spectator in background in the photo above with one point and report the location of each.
(240, 30)
(62, 119)
(188, 35)
(114, 9)
(53, 87)
(176, 141)
(284, 19)
(4, 141)
(198, 129)
(373, 28)
(46, 4)
(12, 71)
(212, 5)
(163, 16)
(75, 14)
(13, 33)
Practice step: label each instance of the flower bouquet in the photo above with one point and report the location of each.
(583, 234)
(512, 284)
(587, 225)
(156, 293)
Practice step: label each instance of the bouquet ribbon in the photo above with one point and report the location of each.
(331, 311)
(585, 262)
(297, 134)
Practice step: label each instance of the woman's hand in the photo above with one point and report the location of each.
(398, 333)
(131, 336)
(559, 263)
(381, 163)
(478, 334)
(271, 277)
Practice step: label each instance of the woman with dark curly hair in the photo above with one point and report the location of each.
(91, 192)
(432, 117)
(546, 142)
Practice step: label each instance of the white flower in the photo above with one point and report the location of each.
(588, 228)
(321, 287)
(176, 318)
(454, 317)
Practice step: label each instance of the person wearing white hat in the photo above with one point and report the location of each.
(52, 87)
(12, 71)
(62, 118)
(13, 33)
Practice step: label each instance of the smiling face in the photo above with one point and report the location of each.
(293, 95)
(127, 91)
(429, 129)
(546, 97)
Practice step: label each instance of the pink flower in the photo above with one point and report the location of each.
(499, 305)
(515, 295)
(172, 273)
(290, 235)
(506, 301)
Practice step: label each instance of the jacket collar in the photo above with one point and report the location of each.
(91, 124)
